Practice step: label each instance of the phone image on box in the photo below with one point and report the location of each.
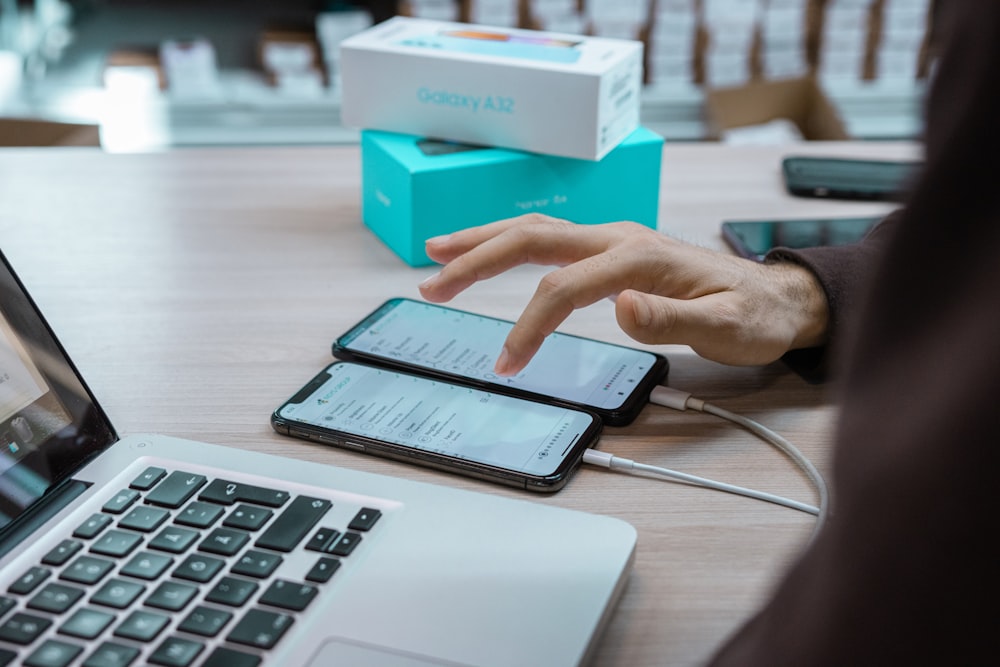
(755, 238)
(522, 45)
(423, 338)
(430, 422)
(840, 178)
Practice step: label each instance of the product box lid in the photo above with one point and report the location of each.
(530, 49)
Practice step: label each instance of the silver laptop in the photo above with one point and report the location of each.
(149, 549)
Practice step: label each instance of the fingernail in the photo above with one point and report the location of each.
(444, 238)
(502, 362)
(643, 316)
(430, 280)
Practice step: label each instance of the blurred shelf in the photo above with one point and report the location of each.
(247, 111)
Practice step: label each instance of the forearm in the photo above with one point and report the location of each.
(841, 274)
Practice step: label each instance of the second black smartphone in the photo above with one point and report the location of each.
(381, 411)
(611, 380)
(842, 178)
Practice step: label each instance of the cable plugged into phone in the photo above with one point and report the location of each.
(680, 400)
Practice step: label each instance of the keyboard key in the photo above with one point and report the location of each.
(322, 539)
(260, 628)
(346, 544)
(224, 541)
(147, 565)
(145, 519)
(23, 628)
(118, 593)
(53, 653)
(87, 570)
(323, 570)
(227, 657)
(205, 621)
(174, 539)
(142, 626)
(55, 598)
(148, 479)
(116, 543)
(248, 517)
(86, 623)
(93, 526)
(293, 524)
(288, 595)
(364, 519)
(172, 595)
(258, 564)
(176, 489)
(121, 501)
(199, 515)
(199, 568)
(225, 492)
(176, 652)
(232, 591)
(29, 581)
(112, 654)
(6, 604)
(8, 658)
(62, 552)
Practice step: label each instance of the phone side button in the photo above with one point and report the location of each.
(354, 445)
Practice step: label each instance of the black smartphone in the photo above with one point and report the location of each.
(754, 238)
(495, 437)
(842, 178)
(423, 338)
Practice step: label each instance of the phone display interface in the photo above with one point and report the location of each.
(583, 371)
(434, 416)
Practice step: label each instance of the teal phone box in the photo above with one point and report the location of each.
(415, 188)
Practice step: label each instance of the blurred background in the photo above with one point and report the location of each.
(147, 75)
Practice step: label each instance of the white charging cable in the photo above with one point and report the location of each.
(679, 400)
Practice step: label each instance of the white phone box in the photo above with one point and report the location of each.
(542, 92)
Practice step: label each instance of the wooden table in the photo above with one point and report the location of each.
(198, 289)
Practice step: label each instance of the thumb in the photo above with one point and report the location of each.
(661, 320)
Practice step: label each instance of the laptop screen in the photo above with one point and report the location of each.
(50, 424)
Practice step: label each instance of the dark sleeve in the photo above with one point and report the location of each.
(843, 273)
(905, 569)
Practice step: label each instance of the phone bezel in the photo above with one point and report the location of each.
(620, 416)
(737, 243)
(390, 450)
(844, 186)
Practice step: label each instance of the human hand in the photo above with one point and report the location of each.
(728, 309)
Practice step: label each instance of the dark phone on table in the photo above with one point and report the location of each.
(499, 438)
(840, 178)
(754, 238)
(427, 339)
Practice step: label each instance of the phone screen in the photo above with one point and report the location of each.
(436, 417)
(579, 370)
(755, 238)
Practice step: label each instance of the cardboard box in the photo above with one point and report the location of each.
(32, 132)
(552, 93)
(800, 100)
(414, 189)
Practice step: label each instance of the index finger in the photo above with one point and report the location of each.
(558, 294)
(483, 252)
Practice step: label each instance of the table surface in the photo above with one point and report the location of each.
(197, 289)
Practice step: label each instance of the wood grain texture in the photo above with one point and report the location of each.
(197, 289)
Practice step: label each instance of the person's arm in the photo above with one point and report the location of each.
(904, 571)
(843, 273)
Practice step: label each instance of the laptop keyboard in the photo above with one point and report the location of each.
(179, 569)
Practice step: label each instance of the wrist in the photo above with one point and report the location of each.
(805, 304)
